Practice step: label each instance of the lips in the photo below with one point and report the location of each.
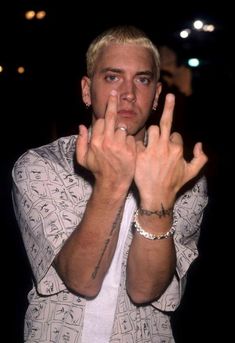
(126, 113)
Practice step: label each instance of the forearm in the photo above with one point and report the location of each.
(161, 171)
(86, 256)
(151, 263)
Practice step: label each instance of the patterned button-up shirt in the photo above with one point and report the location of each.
(50, 193)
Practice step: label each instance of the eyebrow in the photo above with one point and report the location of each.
(119, 71)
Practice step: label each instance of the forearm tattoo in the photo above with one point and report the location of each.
(160, 213)
(115, 225)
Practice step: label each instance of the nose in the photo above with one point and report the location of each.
(127, 92)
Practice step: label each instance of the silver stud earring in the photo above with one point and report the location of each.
(155, 104)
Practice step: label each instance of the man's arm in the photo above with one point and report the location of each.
(86, 256)
(151, 263)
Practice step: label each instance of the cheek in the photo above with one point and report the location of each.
(146, 102)
(99, 103)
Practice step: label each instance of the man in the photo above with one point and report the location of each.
(107, 232)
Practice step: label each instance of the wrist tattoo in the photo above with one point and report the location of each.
(164, 212)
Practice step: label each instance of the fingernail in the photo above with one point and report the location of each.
(170, 97)
(113, 92)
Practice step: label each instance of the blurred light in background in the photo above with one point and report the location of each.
(193, 62)
(40, 15)
(198, 24)
(20, 70)
(29, 15)
(185, 33)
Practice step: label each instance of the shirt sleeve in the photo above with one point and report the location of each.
(47, 208)
(188, 210)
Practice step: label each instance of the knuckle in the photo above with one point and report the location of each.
(94, 143)
(177, 149)
(153, 130)
(107, 144)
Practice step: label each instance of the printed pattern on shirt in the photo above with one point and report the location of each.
(50, 195)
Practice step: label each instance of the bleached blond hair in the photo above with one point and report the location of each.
(124, 34)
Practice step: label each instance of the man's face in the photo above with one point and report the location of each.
(129, 69)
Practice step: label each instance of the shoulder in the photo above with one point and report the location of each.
(60, 151)
(197, 186)
(200, 187)
(194, 195)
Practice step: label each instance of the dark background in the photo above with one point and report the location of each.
(45, 103)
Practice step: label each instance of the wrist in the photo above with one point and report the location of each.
(108, 193)
(155, 223)
(157, 209)
(157, 230)
(163, 212)
(155, 201)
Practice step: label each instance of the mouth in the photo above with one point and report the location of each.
(126, 113)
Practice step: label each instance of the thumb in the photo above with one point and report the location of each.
(198, 161)
(82, 145)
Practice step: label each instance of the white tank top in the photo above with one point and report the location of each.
(99, 312)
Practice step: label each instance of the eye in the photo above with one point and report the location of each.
(144, 80)
(111, 78)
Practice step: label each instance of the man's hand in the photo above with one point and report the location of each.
(161, 169)
(110, 153)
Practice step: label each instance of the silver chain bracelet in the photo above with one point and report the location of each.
(152, 236)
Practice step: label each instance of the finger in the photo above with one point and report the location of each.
(198, 161)
(122, 128)
(131, 143)
(167, 116)
(176, 138)
(153, 135)
(121, 132)
(82, 145)
(98, 127)
(199, 153)
(140, 146)
(111, 114)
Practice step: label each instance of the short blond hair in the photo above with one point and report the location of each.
(124, 34)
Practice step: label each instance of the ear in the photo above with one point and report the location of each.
(157, 93)
(86, 94)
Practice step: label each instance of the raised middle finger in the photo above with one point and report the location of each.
(111, 114)
(167, 117)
